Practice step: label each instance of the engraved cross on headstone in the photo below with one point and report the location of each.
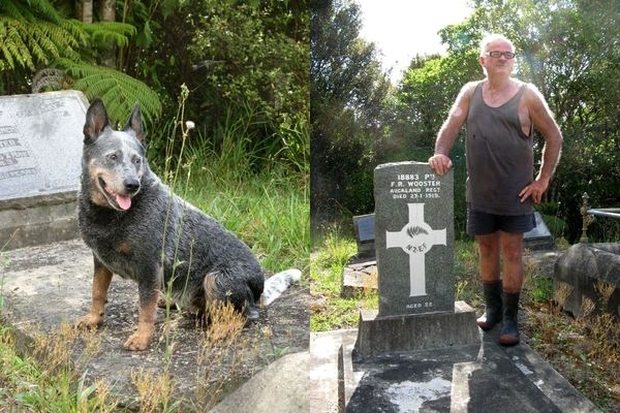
(415, 239)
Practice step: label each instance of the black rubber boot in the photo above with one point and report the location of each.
(493, 306)
(509, 334)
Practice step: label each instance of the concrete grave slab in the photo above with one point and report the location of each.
(479, 377)
(358, 277)
(48, 286)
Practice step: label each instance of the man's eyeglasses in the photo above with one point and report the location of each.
(496, 54)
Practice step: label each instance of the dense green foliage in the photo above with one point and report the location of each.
(245, 63)
(42, 49)
(255, 56)
(567, 48)
(346, 94)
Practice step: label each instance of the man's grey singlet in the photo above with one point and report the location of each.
(499, 157)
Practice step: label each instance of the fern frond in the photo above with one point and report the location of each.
(75, 28)
(14, 49)
(118, 90)
(43, 9)
(58, 35)
(56, 41)
(30, 11)
(24, 44)
(11, 9)
(107, 32)
(42, 42)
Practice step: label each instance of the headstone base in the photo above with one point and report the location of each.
(393, 334)
(38, 220)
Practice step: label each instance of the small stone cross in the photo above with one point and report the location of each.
(416, 238)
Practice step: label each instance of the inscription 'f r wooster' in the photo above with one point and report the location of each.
(416, 238)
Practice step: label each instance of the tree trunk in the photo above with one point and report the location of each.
(107, 11)
(85, 10)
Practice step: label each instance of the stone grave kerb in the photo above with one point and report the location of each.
(414, 241)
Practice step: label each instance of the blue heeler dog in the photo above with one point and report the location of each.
(137, 228)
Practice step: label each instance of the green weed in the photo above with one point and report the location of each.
(46, 380)
(329, 310)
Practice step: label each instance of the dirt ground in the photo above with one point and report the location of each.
(49, 286)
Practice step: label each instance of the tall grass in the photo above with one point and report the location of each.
(265, 203)
(270, 212)
(331, 250)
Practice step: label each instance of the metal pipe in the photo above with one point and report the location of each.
(605, 212)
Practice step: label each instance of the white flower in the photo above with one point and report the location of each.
(190, 125)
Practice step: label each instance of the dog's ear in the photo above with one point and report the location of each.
(135, 123)
(96, 120)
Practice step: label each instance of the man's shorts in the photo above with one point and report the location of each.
(481, 223)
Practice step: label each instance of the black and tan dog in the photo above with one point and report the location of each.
(137, 228)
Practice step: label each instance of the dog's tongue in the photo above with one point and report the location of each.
(123, 201)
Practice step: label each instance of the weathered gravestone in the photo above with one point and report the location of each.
(40, 158)
(360, 273)
(414, 238)
(364, 227)
(539, 237)
(589, 273)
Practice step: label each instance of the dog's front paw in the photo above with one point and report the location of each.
(251, 313)
(90, 321)
(138, 341)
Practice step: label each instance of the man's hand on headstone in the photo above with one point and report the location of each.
(440, 163)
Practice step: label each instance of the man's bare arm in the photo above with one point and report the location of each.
(440, 162)
(543, 121)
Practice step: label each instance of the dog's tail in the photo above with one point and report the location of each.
(278, 283)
